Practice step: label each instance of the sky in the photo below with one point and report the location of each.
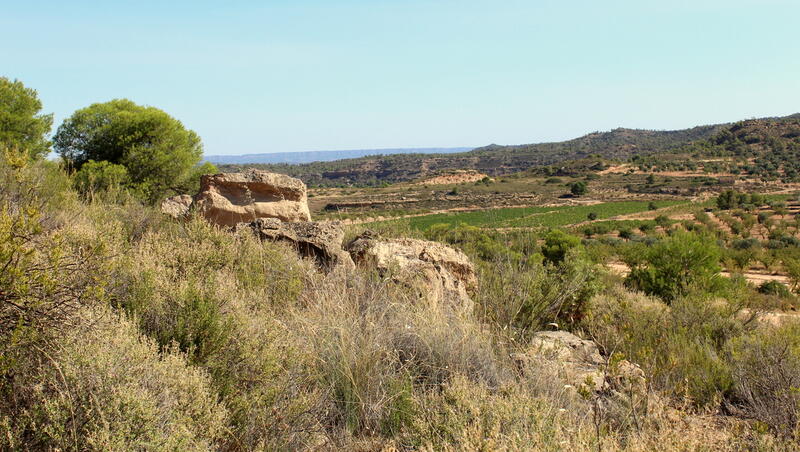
(298, 75)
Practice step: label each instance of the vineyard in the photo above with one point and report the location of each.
(539, 217)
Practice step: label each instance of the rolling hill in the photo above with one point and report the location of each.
(496, 160)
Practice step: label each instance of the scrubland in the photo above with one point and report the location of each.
(121, 329)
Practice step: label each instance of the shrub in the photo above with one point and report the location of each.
(101, 176)
(766, 373)
(215, 296)
(646, 227)
(596, 229)
(738, 259)
(578, 188)
(663, 221)
(107, 387)
(745, 244)
(731, 199)
(670, 267)
(556, 245)
(680, 347)
(774, 288)
(47, 273)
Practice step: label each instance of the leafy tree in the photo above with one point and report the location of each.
(158, 152)
(22, 126)
(592, 216)
(671, 267)
(578, 188)
(727, 200)
(556, 245)
(663, 221)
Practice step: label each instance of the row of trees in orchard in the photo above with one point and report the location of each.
(119, 143)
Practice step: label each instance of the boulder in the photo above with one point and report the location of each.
(578, 364)
(177, 206)
(316, 240)
(442, 274)
(228, 199)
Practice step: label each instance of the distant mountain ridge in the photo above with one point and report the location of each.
(620, 144)
(294, 158)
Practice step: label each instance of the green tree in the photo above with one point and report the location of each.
(22, 125)
(578, 188)
(158, 152)
(556, 245)
(671, 267)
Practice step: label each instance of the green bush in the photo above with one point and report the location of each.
(774, 288)
(95, 177)
(578, 188)
(670, 267)
(556, 245)
(680, 347)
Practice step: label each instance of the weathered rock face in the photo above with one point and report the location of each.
(319, 241)
(442, 274)
(228, 199)
(578, 363)
(177, 206)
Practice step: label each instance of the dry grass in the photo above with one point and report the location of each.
(204, 340)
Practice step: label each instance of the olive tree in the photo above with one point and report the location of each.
(159, 154)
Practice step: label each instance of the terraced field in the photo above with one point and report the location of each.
(545, 217)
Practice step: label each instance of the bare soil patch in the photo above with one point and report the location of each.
(456, 177)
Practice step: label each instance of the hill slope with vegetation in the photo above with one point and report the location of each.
(493, 160)
(124, 329)
(618, 145)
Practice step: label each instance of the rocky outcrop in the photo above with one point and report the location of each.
(441, 274)
(578, 364)
(177, 206)
(228, 199)
(319, 241)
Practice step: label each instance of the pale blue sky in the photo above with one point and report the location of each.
(297, 75)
